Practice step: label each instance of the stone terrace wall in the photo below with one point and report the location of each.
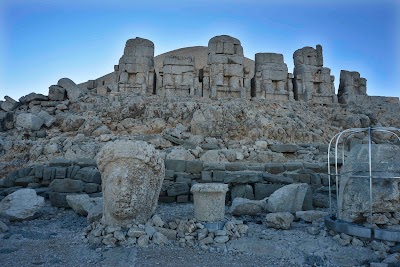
(62, 177)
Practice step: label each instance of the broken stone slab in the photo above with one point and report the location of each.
(278, 179)
(67, 185)
(244, 206)
(9, 104)
(242, 177)
(274, 168)
(23, 204)
(132, 174)
(279, 220)
(311, 215)
(73, 91)
(283, 148)
(29, 121)
(289, 198)
(82, 203)
(209, 201)
(31, 97)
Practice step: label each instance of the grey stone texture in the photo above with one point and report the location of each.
(244, 206)
(178, 76)
(132, 173)
(352, 87)
(21, 205)
(279, 220)
(136, 67)
(29, 121)
(271, 80)
(289, 198)
(312, 81)
(225, 70)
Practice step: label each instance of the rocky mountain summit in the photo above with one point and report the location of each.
(212, 115)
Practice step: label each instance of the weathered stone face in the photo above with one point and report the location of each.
(353, 202)
(132, 175)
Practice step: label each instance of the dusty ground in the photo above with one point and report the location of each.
(56, 239)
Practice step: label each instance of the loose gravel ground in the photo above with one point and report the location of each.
(56, 239)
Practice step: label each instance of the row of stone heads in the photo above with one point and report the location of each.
(227, 76)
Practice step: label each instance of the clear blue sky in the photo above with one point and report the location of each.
(45, 40)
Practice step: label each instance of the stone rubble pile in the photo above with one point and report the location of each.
(181, 232)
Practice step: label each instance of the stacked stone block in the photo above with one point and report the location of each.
(245, 179)
(178, 76)
(271, 78)
(352, 87)
(312, 81)
(227, 77)
(136, 67)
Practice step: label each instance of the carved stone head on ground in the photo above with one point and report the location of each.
(132, 174)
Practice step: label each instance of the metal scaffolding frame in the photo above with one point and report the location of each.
(333, 221)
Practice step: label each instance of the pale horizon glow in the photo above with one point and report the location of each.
(44, 41)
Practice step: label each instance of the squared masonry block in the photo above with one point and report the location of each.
(218, 176)
(293, 166)
(206, 176)
(274, 168)
(175, 165)
(194, 166)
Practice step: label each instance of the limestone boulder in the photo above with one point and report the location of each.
(311, 215)
(73, 91)
(244, 206)
(83, 204)
(31, 97)
(57, 93)
(9, 104)
(289, 198)
(29, 121)
(47, 118)
(132, 173)
(279, 220)
(23, 204)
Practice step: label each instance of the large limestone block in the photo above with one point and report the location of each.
(244, 206)
(29, 121)
(21, 205)
(353, 202)
(73, 91)
(132, 173)
(209, 201)
(289, 198)
(83, 204)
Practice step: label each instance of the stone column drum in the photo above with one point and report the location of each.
(209, 201)
(132, 173)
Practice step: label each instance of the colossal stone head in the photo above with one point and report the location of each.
(132, 174)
